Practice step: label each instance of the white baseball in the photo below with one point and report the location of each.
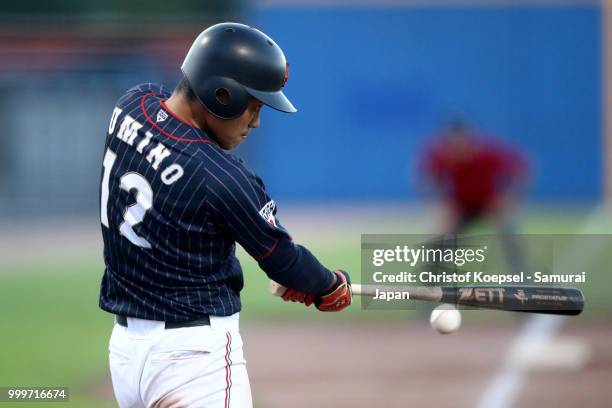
(445, 319)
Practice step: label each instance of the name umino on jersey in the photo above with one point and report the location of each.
(128, 133)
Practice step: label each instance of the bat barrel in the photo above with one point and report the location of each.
(528, 299)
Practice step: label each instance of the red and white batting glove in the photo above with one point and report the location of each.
(338, 297)
(292, 295)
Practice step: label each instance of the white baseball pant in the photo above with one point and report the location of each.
(190, 367)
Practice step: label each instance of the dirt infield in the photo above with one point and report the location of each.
(386, 364)
(590, 387)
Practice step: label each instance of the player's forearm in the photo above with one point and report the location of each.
(295, 267)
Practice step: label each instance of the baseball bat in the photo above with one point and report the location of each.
(527, 299)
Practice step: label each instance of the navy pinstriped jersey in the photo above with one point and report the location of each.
(173, 204)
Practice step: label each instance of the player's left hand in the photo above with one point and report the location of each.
(292, 295)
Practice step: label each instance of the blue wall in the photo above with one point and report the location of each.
(372, 84)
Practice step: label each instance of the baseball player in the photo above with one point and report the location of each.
(174, 204)
(478, 178)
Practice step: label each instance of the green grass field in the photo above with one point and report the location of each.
(53, 333)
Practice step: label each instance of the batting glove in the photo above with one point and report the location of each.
(292, 295)
(338, 297)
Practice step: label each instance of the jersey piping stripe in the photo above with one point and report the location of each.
(228, 369)
(268, 253)
(163, 132)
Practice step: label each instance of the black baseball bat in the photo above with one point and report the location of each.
(527, 299)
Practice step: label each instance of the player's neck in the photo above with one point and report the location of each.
(182, 108)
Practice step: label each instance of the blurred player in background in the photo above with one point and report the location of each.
(476, 177)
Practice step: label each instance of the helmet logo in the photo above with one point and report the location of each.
(286, 78)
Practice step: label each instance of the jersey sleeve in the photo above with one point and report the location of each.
(239, 203)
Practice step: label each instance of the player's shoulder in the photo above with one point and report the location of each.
(225, 167)
(140, 90)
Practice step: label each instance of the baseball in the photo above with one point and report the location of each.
(445, 319)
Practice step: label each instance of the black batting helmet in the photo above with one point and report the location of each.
(229, 63)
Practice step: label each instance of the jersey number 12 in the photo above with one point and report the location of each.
(135, 213)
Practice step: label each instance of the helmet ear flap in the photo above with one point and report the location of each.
(223, 97)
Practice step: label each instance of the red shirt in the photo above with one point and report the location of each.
(473, 179)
